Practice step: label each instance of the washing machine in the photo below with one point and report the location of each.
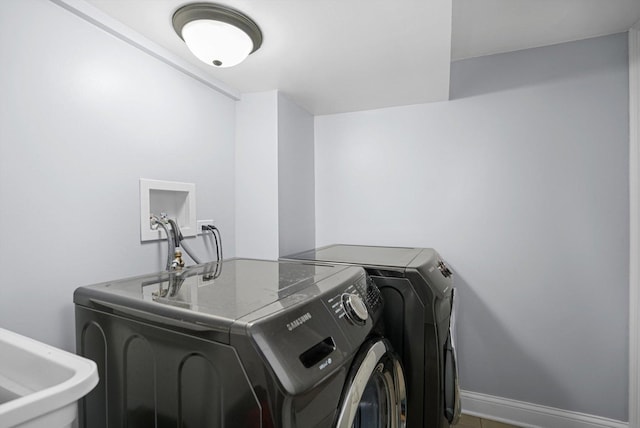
(248, 343)
(417, 288)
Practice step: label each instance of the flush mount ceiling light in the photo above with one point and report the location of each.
(216, 34)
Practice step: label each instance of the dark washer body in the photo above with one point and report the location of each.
(253, 344)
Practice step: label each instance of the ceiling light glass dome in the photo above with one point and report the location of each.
(217, 35)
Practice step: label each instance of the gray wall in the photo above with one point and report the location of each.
(257, 175)
(521, 183)
(296, 199)
(83, 116)
(274, 177)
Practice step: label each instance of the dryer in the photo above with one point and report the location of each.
(247, 343)
(417, 288)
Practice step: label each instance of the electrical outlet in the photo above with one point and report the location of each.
(201, 223)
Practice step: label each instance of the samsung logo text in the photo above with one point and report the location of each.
(298, 321)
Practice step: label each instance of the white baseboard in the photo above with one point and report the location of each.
(530, 415)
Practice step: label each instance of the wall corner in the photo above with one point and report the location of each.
(634, 227)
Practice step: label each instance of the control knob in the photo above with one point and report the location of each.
(446, 272)
(354, 308)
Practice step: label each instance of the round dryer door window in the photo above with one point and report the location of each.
(375, 394)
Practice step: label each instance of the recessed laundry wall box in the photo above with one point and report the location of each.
(176, 200)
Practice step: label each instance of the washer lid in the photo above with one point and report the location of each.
(206, 295)
(361, 255)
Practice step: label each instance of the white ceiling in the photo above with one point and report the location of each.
(335, 56)
(494, 26)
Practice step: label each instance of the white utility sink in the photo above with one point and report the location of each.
(40, 384)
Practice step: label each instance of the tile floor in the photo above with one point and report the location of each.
(467, 421)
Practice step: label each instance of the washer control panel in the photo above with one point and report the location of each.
(354, 308)
(358, 302)
(316, 330)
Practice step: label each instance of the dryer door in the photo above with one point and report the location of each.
(375, 394)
